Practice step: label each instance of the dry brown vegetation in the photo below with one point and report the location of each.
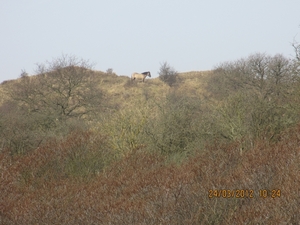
(141, 189)
(199, 152)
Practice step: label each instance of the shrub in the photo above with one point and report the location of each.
(168, 74)
(175, 129)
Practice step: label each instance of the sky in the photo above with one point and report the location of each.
(139, 35)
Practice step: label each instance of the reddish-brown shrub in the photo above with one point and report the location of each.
(142, 189)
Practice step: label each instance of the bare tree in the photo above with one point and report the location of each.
(167, 74)
(296, 64)
(62, 89)
(110, 71)
(258, 97)
(296, 47)
(258, 73)
(23, 73)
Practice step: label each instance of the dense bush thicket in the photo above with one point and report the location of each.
(257, 97)
(47, 185)
(176, 127)
(69, 156)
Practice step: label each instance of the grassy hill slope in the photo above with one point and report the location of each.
(80, 146)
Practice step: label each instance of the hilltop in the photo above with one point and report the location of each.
(121, 91)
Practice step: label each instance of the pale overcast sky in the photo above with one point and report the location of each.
(138, 35)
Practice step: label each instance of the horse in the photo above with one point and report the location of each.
(140, 76)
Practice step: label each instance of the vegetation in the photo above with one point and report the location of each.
(167, 74)
(79, 146)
